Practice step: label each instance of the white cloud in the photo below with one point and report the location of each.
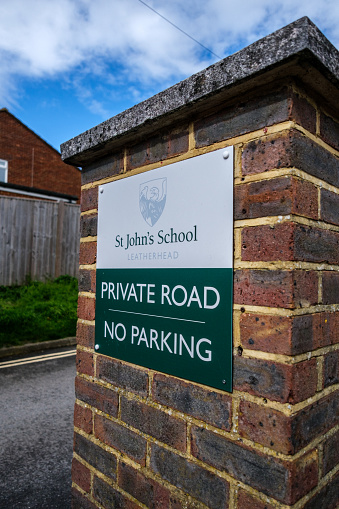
(121, 41)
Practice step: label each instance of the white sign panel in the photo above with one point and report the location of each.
(180, 215)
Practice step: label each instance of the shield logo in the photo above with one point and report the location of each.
(152, 199)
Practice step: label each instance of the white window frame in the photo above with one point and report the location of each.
(4, 166)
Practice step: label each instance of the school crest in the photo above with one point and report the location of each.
(152, 199)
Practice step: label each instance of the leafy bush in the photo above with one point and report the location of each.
(38, 311)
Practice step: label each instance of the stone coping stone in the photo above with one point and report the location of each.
(300, 38)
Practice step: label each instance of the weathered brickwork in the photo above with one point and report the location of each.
(147, 439)
(89, 199)
(210, 406)
(280, 196)
(88, 225)
(158, 148)
(279, 288)
(112, 165)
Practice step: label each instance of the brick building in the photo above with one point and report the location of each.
(30, 167)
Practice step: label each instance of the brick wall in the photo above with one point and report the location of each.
(145, 439)
(32, 162)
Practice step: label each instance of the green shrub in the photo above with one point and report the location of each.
(38, 311)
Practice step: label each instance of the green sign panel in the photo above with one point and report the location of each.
(170, 320)
(164, 269)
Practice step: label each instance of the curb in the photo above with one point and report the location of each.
(36, 347)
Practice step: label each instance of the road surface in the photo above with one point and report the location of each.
(36, 430)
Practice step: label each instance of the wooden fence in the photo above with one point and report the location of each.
(38, 238)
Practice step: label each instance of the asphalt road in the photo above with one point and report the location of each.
(36, 432)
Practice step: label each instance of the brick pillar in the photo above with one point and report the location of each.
(286, 306)
(147, 439)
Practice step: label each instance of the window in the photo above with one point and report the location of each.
(3, 170)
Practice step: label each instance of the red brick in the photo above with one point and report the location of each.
(79, 501)
(168, 145)
(144, 489)
(89, 199)
(122, 375)
(331, 369)
(154, 422)
(279, 382)
(87, 280)
(83, 418)
(103, 461)
(266, 426)
(303, 476)
(304, 199)
(331, 453)
(288, 335)
(32, 162)
(302, 112)
(329, 206)
(85, 335)
(88, 253)
(263, 243)
(276, 288)
(85, 363)
(274, 197)
(247, 501)
(120, 438)
(266, 154)
(324, 329)
(256, 113)
(266, 333)
(89, 225)
(97, 396)
(316, 245)
(287, 482)
(331, 321)
(201, 403)
(330, 285)
(109, 497)
(315, 420)
(102, 168)
(290, 241)
(327, 497)
(137, 155)
(290, 150)
(329, 130)
(178, 141)
(193, 479)
(86, 308)
(81, 475)
(158, 148)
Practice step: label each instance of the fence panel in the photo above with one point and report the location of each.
(38, 238)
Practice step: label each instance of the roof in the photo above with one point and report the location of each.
(300, 49)
(7, 186)
(5, 110)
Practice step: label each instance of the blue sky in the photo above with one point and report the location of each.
(67, 65)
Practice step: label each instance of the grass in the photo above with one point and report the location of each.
(38, 311)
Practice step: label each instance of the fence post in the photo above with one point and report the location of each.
(59, 237)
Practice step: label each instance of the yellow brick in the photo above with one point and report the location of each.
(88, 239)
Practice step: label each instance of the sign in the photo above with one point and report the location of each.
(164, 269)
